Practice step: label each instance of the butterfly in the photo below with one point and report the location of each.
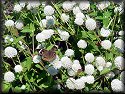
(48, 55)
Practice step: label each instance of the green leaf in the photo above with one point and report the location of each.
(27, 63)
(5, 87)
(26, 29)
(105, 71)
(38, 66)
(18, 39)
(17, 89)
(32, 28)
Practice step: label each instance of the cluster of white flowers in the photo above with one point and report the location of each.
(119, 62)
(18, 68)
(43, 23)
(103, 4)
(9, 76)
(108, 65)
(105, 32)
(64, 17)
(68, 5)
(84, 5)
(66, 62)
(45, 34)
(69, 52)
(90, 24)
(48, 10)
(37, 59)
(17, 8)
(106, 44)
(121, 33)
(19, 24)
(9, 23)
(8, 38)
(79, 21)
(117, 85)
(89, 69)
(119, 43)
(10, 52)
(82, 44)
(89, 57)
(76, 10)
(33, 4)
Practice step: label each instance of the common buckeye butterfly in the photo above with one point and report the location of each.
(48, 55)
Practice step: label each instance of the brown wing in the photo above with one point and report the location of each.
(54, 48)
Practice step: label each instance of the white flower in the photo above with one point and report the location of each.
(10, 52)
(119, 43)
(100, 68)
(90, 79)
(76, 66)
(89, 57)
(48, 10)
(82, 44)
(119, 9)
(9, 76)
(23, 87)
(19, 24)
(9, 23)
(108, 64)
(90, 24)
(22, 3)
(69, 52)
(76, 10)
(119, 62)
(48, 33)
(52, 71)
(33, 4)
(80, 15)
(64, 35)
(79, 21)
(70, 83)
(18, 68)
(84, 5)
(121, 33)
(106, 44)
(8, 38)
(89, 69)
(102, 5)
(83, 79)
(67, 5)
(43, 23)
(122, 76)
(64, 17)
(110, 75)
(105, 32)
(40, 37)
(71, 72)
(100, 61)
(117, 85)
(37, 59)
(66, 62)
(17, 8)
(79, 85)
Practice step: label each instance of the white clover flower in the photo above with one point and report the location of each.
(76, 10)
(79, 85)
(119, 62)
(121, 33)
(10, 52)
(119, 9)
(80, 15)
(83, 79)
(84, 5)
(9, 23)
(106, 44)
(71, 72)
(79, 21)
(117, 85)
(23, 87)
(66, 62)
(48, 33)
(89, 57)
(22, 3)
(76, 62)
(82, 44)
(90, 79)
(40, 37)
(102, 5)
(8, 38)
(119, 43)
(51, 70)
(33, 4)
(70, 83)
(37, 59)
(100, 61)
(108, 65)
(89, 69)
(122, 76)
(76, 66)
(48, 10)
(64, 35)
(67, 5)
(90, 24)
(64, 17)
(105, 32)
(17, 7)
(9, 76)
(100, 68)
(19, 24)
(110, 75)
(43, 23)
(69, 52)
(18, 68)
